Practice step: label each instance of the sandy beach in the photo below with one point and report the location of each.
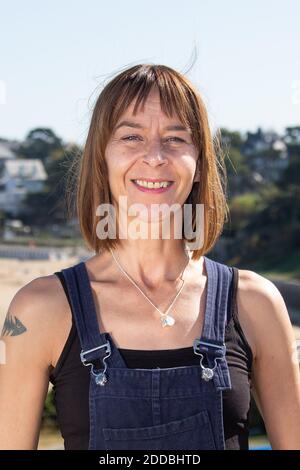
(14, 274)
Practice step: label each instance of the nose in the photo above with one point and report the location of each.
(154, 155)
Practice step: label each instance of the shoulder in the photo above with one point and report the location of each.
(262, 311)
(253, 284)
(37, 297)
(40, 310)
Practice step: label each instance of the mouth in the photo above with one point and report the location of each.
(152, 185)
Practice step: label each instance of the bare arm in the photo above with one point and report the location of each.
(275, 372)
(24, 367)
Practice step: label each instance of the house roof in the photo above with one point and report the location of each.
(23, 168)
(5, 151)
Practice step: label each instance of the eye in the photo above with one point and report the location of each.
(131, 138)
(177, 138)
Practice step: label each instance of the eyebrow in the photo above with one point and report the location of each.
(174, 127)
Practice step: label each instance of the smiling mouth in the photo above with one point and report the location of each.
(156, 186)
(152, 184)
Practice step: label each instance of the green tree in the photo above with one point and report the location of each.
(40, 143)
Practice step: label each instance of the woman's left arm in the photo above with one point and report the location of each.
(275, 370)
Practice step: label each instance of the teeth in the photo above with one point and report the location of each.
(146, 184)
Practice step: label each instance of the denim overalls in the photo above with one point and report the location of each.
(176, 408)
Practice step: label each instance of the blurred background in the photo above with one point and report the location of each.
(243, 58)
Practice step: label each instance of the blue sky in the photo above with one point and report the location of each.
(55, 55)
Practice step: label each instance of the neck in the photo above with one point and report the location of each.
(153, 263)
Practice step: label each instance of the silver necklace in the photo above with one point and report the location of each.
(166, 319)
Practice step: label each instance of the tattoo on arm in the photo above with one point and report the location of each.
(12, 326)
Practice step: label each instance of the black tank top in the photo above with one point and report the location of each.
(70, 380)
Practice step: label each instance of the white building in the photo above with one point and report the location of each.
(5, 151)
(18, 177)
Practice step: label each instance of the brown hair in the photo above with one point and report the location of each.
(177, 94)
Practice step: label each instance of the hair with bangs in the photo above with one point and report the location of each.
(177, 95)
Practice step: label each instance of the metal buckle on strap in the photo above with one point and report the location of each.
(214, 346)
(83, 353)
(208, 372)
(99, 376)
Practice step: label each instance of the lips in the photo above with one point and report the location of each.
(153, 190)
(152, 180)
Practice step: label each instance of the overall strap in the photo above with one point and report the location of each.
(211, 346)
(94, 345)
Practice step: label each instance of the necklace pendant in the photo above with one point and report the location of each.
(167, 321)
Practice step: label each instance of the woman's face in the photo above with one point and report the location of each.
(150, 146)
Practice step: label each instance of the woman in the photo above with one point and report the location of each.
(170, 337)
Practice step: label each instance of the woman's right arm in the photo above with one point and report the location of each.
(25, 360)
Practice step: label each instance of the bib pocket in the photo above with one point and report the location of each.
(190, 433)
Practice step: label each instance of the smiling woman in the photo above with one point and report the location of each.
(155, 113)
(174, 342)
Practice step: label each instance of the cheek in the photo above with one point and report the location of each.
(118, 165)
(186, 165)
(117, 161)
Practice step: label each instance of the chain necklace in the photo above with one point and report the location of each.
(166, 319)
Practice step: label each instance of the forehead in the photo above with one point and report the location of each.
(150, 107)
(147, 111)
